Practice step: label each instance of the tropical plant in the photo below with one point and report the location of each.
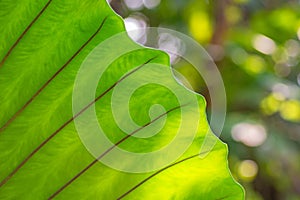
(43, 44)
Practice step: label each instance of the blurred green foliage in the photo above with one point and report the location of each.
(255, 44)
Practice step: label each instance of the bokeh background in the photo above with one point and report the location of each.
(256, 46)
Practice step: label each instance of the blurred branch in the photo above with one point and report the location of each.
(221, 24)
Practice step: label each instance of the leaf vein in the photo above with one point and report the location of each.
(24, 33)
(157, 173)
(5, 180)
(51, 79)
(108, 150)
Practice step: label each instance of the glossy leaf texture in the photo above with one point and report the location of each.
(43, 44)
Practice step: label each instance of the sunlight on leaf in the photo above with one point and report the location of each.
(43, 44)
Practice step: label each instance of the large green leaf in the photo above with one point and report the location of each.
(43, 44)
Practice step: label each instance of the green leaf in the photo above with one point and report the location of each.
(43, 45)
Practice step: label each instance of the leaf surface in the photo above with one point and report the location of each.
(43, 45)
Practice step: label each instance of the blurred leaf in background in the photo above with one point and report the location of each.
(256, 46)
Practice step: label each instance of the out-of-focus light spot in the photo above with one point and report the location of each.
(290, 110)
(252, 135)
(233, 14)
(254, 64)
(247, 170)
(216, 52)
(239, 56)
(150, 4)
(281, 91)
(292, 48)
(241, 1)
(285, 19)
(293, 61)
(280, 55)
(172, 45)
(271, 103)
(298, 33)
(279, 96)
(134, 4)
(136, 28)
(200, 26)
(264, 44)
(298, 79)
(282, 70)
